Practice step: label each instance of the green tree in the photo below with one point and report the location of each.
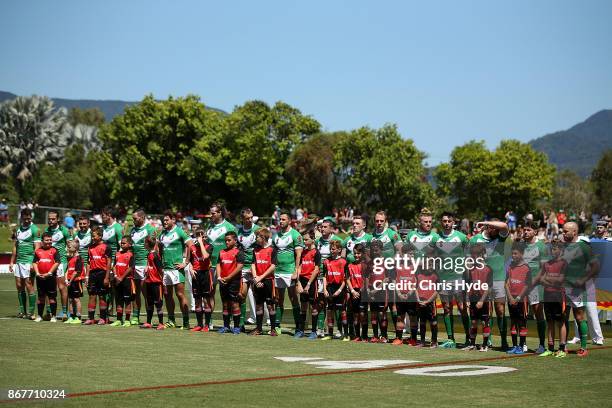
(571, 192)
(161, 154)
(478, 181)
(601, 181)
(384, 171)
(32, 132)
(89, 117)
(257, 146)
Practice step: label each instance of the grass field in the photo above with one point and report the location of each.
(105, 366)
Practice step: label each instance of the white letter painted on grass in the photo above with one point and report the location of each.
(297, 359)
(468, 370)
(341, 365)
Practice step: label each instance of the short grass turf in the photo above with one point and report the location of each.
(227, 370)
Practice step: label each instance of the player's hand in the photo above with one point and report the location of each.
(355, 294)
(222, 281)
(259, 284)
(479, 305)
(513, 301)
(423, 303)
(106, 282)
(326, 293)
(299, 289)
(11, 268)
(67, 282)
(337, 293)
(180, 265)
(192, 272)
(307, 287)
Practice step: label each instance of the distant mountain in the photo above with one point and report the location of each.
(110, 108)
(580, 147)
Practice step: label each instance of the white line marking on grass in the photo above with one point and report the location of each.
(297, 359)
(468, 370)
(346, 364)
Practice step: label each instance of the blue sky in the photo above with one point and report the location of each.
(445, 72)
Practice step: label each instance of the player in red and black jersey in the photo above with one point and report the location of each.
(552, 277)
(357, 305)
(377, 279)
(75, 274)
(125, 289)
(99, 276)
(307, 284)
(262, 269)
(229, 276)
(405, 298)
(154, 291)
(479, 299)
(202, 280)
(334, 276)
(518, 284)
(45, 264)
(426, 309)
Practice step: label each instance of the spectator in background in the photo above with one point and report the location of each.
(552, 225)
(4, 211)
(561, 218)
(511, 220)
(465, 226)
(69, 222)
(299, 214)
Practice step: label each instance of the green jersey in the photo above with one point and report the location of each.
(534, 255)
(84, 239)
(496, 254)
(138, 235)
(285, 244)
(216, 237)
(578, 256)
(173, 244)
(111, 236)
(451, 247)
(389, 238)
(350, 242)
(419, 241)
(25, 240)
(246, 238)
(322, 245)
(60, 236)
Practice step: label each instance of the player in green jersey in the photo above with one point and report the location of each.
(493, 234)
(423, 236)
(27, 240)
(112, 232)
(83, 238)
(358, 236)
(246, 239)
(289, 245)
(139, 232)
(322, 244)
(581, 267)
(215, 234)
(535, 255)
(60, 237)
(452, 245)
(175, 247)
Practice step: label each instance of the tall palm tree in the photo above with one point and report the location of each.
(32, 132)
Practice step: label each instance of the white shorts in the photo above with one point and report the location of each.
(536, 295)
(575, 297)
(139, 272)
(247, 275)
(173, 277)
(319, 285)
(22, 270)
(499, 290)
(283, 281)
(61, 271)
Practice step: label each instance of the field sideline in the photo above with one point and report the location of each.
(102, 366)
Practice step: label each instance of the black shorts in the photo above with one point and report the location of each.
(408, 306)
(47, 287)
(311, 295)
(358, 305)
(483, 313)
(154, 293)
(336, 302)
(203, 283)
(427, 312)
(518, 311)
(75, 290)
(230, 291)
(96, 282)
(555, 310)
(125, 290)
(264, 294)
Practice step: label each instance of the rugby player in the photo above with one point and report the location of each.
(426, 298)
(405, 299)
(27, 241)
(201, 280)
(229, 276)
(322, 244)
(124, 281)
(518, 283)
(289, 246)
(112, 233)
(246, 239)
(307, 284)
(98, 281)
(262, 269)
(175, 253)
(83, 238)
(45, 264)
(535, 255)
(357, 306)
(479, 299)
(154, 275)
(138, 233)
(61, 236)
(74, 281)
(334, 276)
(376, 279)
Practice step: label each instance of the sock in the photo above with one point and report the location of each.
(413, 333)
(486, 333)
(434, 333)
(351, 325)
(226, 320)
(53, 307)
(65, 309)
(315, 318)
(91, 314)
(337, 314)
(103, 313)
(473, 332)
(31, 302)
(186, 319)
(149, 315)
(279, 315)
(259, 321)
(523, 336)
(398, 333)
(375, 329)
(21, 296)
(583, 328)
(394, 318)
(562, 346)
(466, 325)
(200, 317)
(502, 323)
(207, 317)
(74, 310)
(160, 315)
(137, 314)
(514, 337)
(542, 331)
(242, 313)
(48, 309)
(449, 326)
(236, 321)
(171, 317)
(296, 316)
(119, 314)
(127, 316)
(303, 321)
(41, 308)
(272, 320)
(383, 325)
(344, 323)
(423, 328)
(321, 321)
(364, 331)
(551, 346)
